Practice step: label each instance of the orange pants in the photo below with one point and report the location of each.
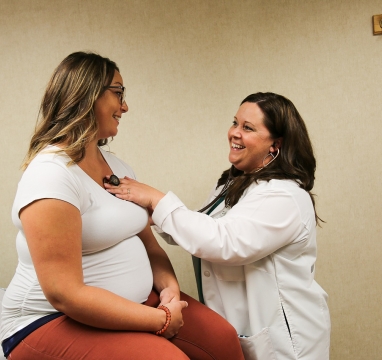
(205, 335)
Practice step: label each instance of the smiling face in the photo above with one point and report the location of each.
(108, 109)
(250, 141)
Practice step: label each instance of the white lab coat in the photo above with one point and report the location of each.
(258, 262)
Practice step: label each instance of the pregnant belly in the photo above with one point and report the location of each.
(123, 269)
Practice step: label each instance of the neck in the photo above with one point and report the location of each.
(94, 164)
(92, 152)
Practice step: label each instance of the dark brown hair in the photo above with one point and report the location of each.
(296, 160)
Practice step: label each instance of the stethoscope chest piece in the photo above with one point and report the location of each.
(113, 180)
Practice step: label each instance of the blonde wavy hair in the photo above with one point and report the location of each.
(66, 115)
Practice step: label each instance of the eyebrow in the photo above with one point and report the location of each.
(245, 121)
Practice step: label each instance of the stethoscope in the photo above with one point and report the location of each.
(220, 197)
(113, 180)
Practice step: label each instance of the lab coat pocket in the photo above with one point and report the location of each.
(228, 273)
(258, 347)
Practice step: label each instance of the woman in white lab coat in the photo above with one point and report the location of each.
(256, 238)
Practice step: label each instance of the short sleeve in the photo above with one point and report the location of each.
(47, 177)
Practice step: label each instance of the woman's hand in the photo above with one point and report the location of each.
(168, 295)
(137, 192)
(176, 322)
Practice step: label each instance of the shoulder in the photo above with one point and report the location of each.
(279, 201)
(48, 176)
(47, 163)
(275, 186)
(286, 190)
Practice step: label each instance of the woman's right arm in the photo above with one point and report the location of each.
(53, 231)
(262, 222)
(167, 237)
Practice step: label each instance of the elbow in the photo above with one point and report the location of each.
(58, 302)
(61, 299)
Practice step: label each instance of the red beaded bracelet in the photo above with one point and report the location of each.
(168, 319)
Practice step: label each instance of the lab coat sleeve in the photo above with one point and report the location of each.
(168, 238)
(258, 225)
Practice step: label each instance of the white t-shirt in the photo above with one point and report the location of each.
(113, 256)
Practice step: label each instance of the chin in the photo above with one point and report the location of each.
(238, 167)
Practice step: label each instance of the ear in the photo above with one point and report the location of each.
(276, 145)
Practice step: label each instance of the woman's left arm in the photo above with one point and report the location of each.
(165, 281)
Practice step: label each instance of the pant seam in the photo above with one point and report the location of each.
(40, 352)
(196, 345)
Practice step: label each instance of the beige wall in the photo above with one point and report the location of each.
(186, 66)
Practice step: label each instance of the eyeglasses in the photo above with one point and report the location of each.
(121, 94)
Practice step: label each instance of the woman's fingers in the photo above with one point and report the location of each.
(139, 193)
(176, 322)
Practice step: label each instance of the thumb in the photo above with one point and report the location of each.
(183, 303)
